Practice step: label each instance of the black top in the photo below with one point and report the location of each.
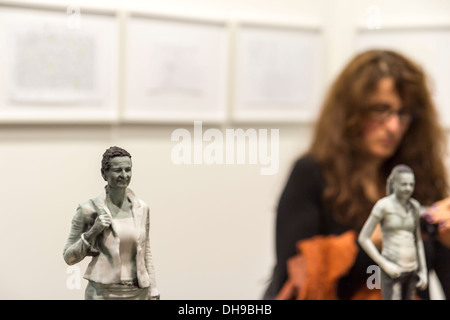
(301, 214)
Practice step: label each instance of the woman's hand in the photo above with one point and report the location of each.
(439, 214)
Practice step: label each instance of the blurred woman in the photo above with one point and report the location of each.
(378, 113)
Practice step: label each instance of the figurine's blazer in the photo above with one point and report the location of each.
(105, 266)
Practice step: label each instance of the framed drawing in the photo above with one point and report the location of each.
(175, 70)
(428, 46)
(278, 73)
(54, 70)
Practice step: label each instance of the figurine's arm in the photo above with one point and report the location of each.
(369, 247)
(154, 293)
(83, 233)
(76, 248)
(422, 271)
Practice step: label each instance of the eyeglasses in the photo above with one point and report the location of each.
(383, 112)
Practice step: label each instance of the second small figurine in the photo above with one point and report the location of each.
(402, 258)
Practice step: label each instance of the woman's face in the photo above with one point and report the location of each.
(119, 174)
(386, 121)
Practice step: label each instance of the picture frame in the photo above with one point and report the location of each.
(59, 65)
(176, 69)
(278, 72)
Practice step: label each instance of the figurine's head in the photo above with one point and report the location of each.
(401, 181)
(116, 167)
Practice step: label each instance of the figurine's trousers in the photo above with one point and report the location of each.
(401, 288)
(97, 291)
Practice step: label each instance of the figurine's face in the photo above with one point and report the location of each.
(404, 185)
(382, 134)
(119, 174)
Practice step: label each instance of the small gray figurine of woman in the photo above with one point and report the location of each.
(113, 228)
(402, 257)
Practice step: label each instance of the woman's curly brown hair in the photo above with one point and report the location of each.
(336, 142)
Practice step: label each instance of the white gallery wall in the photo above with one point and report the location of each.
(212, 225)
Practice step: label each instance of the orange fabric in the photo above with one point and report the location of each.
(313, 274)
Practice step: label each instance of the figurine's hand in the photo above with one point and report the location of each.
(422, 282)
(392, 269)
(102, 222)
(155, 297)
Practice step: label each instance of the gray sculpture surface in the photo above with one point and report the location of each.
(402, 257)
(113, 228)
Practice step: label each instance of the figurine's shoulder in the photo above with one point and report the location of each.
(382, 207)
(143, 204)
(86, 207)
(133, 198)
(416, 206)
(384, 202)
(415, 203)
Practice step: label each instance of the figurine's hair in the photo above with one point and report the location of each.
(337, 142)
(110, 153)
(400, 168)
